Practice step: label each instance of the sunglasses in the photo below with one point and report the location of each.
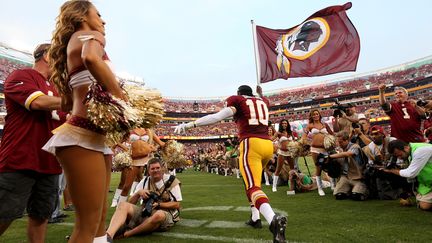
(40, 53)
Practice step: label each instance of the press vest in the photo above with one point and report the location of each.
(424, 178)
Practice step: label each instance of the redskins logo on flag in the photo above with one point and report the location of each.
(302, 42)
(325, 43)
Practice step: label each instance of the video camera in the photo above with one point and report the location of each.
(339, 108)
(154, 197)
(329, 165)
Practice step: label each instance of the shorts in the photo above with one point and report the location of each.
(347, 186)
(137, 219)
(427, 198)
(70, 135)
(141, 161)
(32, 190)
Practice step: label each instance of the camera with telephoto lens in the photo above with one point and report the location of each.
(148, 207)
(379, 163)
(355, 137)
(339, 108)
(154, 197)
(422, 102)
(329, 165)
(355, 125)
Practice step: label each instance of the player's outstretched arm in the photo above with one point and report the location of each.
(206, 120)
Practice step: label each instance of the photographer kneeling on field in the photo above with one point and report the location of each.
(419, 156)
(383, 185)
(161, 196)
(350, 183)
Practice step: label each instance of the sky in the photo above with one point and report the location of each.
(204, 48)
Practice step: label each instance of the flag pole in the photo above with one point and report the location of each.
(257, 61)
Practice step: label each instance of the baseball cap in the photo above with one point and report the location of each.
(361, 116)
(377, 129)
(40, 50)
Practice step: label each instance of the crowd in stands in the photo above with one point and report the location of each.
(319, 91)
(228, 128)
(6, 67)
(189, 106)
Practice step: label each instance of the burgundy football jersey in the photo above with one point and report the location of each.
(251, 117)
(26, 131)
(405, 122)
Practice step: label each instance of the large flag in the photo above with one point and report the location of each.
(325, 43)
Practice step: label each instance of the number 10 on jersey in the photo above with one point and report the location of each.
(261, 110)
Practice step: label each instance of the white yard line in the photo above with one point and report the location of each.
(210, 238)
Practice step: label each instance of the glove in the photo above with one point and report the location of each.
(183, 127)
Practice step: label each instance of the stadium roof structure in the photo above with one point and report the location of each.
(9, 52)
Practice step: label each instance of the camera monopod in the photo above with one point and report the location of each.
(307, 167)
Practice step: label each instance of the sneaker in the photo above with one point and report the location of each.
(277, 227)
(55, 220)
(274, 189)
(114, 203)
(406, 202)
(327, 184)
(62, 215)
(321, 192)
(289, 193)
(69, 208)
(255, 224)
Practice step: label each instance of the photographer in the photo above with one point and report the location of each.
(381, 185)
(231, 155)
(344, 115)
(377, 149)
(299, 182)
(161, 197)
(360, 132)
(351, 182)
(420, 167)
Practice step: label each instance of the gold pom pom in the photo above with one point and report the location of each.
(172, 155)
(117, 117)
(122, 160)
(329, 142)
(149, 104)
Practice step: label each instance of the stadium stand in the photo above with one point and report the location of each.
(292, 104)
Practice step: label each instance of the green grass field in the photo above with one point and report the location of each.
(215, 208)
